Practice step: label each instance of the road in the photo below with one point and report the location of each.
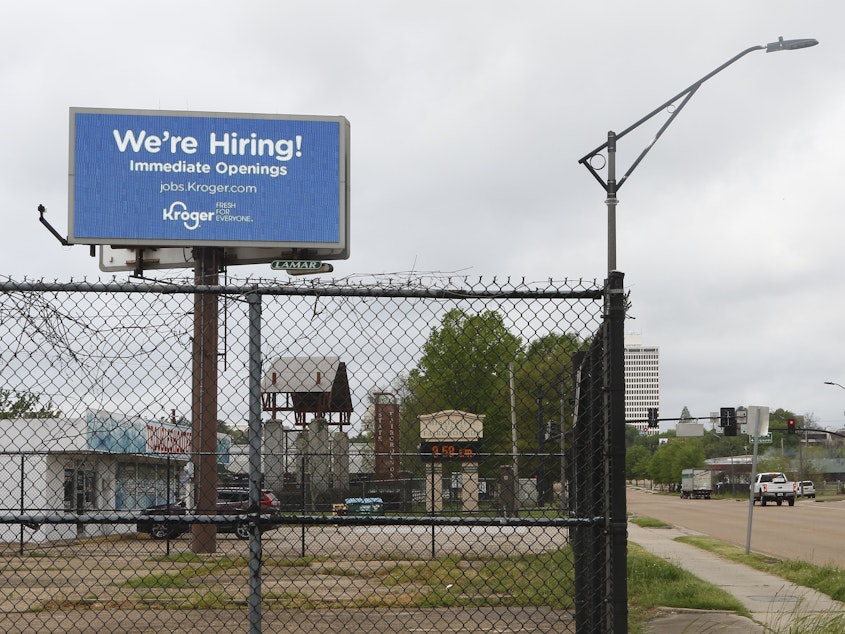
(810, 531)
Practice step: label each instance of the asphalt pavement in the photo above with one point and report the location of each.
(776, 605)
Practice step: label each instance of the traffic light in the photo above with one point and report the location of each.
(727, 420)
(790, 426)
(652, 417)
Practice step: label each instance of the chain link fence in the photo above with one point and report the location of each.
(402, 455)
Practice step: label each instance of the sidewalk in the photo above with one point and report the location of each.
(773, 602)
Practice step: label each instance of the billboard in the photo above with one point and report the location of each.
(181, 179)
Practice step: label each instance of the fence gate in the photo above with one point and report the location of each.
(390, 455)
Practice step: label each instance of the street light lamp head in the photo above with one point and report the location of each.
(789, 45)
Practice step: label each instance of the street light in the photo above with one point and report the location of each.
(832, 383)
(611, 186)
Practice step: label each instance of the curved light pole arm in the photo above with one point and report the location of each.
(611, 185)
(685, 94)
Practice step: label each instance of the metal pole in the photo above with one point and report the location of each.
(564, 502)
(514, 448)
(801, 462)
(756, 427)
(433, 551)
(617, 526)
(23, 499)
(255, 547)
(303, 503)
(611, 201)
(169, 501)
(541, 447)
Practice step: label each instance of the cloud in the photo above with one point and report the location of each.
(468, 120)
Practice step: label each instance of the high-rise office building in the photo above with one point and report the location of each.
(642, 381)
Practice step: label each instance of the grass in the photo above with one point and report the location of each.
(187, 576)
(828, 580)
(654, 582)
(543, 579)
(648, 522)
(161, 580)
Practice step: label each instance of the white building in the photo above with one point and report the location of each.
(98, 464)
(642, 381)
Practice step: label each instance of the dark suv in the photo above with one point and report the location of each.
(230, 501)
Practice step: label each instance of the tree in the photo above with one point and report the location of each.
(238, 436)
(632, 434)
(543, 385)
(464, 366)
(637, 463)
(673, 457)
(718, 445)
(25, 405)
(686, 417)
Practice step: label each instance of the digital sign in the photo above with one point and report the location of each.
(450, 450)
(169, 179)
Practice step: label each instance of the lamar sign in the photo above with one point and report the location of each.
(182, 179)
(295, 265)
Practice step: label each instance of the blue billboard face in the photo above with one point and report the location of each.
(151, 178)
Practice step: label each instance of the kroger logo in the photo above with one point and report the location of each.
(178, 212)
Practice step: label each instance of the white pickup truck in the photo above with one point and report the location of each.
(774, 486)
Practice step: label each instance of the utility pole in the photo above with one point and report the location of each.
(207, 262)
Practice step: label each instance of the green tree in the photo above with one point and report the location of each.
(632, 434)
(777, 426)
(674, 456)
(649, 441)
(686, 417)
(718, 445)
(464, 366)
(637, 463)
(543, 386)
(25, 405)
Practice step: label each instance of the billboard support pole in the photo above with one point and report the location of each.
(204, 389)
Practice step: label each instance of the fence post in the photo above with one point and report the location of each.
(616, 517)
(255, 480)
(23, 498)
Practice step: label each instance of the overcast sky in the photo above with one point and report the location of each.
(468, 120)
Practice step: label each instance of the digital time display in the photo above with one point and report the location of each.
(450, 450)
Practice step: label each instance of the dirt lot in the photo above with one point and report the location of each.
(134, 584)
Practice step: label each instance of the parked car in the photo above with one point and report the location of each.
(807, 489)
(230, 501)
